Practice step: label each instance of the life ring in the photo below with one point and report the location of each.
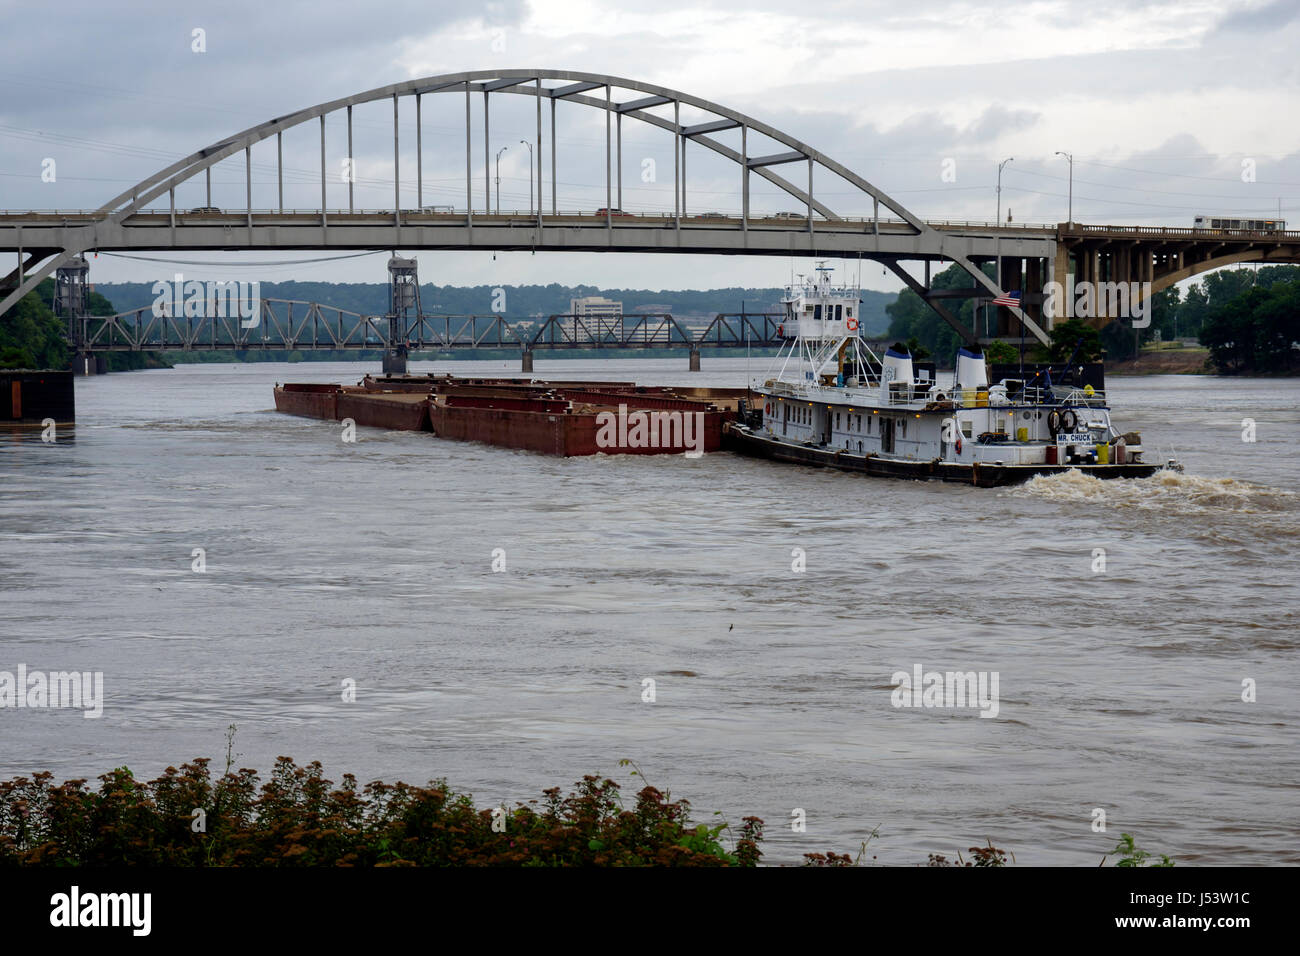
(851, 324)
(1069, 420)
(1054, 423)
(958, 446)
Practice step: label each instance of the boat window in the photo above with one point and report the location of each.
(839, 312)
(967, 429)
(817, 311)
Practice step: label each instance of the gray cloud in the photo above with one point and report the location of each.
(125, 94)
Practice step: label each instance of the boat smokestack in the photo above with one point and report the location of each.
(971, 370)
(901, 363)
(895, 372)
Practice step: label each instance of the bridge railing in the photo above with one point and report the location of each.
(628, 217)
(1189, 232)
(232, 215)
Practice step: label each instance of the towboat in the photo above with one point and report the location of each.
(835, 403)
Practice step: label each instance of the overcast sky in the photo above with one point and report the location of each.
(1164, 106)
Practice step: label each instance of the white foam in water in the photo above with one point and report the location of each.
(1165, 490)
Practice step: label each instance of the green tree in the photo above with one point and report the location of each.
(1001, 352)
(30, 335)
(1071, 335)
(1257, 331)
(1193, 311)
(912, 319)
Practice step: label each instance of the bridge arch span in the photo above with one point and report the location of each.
(587, 89)
(1282, 255)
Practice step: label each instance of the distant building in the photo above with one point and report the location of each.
(594, 305)
(601, 315)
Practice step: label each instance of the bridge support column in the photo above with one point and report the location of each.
(71, 289)
(1033, 292)
(395, 361)
(695, 360)
(404, 312)
(526, 362)
(1061, 276)
(1011, 279)
(88, 363)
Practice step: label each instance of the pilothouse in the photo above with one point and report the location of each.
(834, 402)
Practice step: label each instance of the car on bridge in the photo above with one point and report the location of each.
(613, 212)
(204, 210)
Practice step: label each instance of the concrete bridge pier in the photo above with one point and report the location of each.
(395, 361)
(88, 363)
(695, 360)
(526, 361)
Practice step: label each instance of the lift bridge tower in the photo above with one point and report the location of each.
(403, 311)
(71, 291)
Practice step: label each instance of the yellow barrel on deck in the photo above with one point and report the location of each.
(982, 399)
(968, 397)
(1022, 434)
(1103, 453)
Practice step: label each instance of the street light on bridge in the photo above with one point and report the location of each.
(530, 175)
(1009, 159)
(998, 222)
(1070, 157)
(499, 152)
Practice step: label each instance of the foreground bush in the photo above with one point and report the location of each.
(298, 818)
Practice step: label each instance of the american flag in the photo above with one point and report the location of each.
(1008, 298)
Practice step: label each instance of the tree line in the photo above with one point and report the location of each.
(1248, 318)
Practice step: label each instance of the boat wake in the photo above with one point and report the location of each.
(1167, 491)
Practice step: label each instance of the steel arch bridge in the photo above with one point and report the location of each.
(1028, 256)
(890, 235)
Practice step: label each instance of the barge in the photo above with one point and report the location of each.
(835, 403)
(566, 419)
(31, 398)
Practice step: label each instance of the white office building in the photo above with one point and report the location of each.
(601, 313)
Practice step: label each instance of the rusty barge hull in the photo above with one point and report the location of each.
(566, 419)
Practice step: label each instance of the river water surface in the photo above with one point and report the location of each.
(1119, 690)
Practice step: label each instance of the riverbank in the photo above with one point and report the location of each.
(1165, 362)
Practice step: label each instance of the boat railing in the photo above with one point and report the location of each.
(1088, 396)
(900, 394)
(1042, 395)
